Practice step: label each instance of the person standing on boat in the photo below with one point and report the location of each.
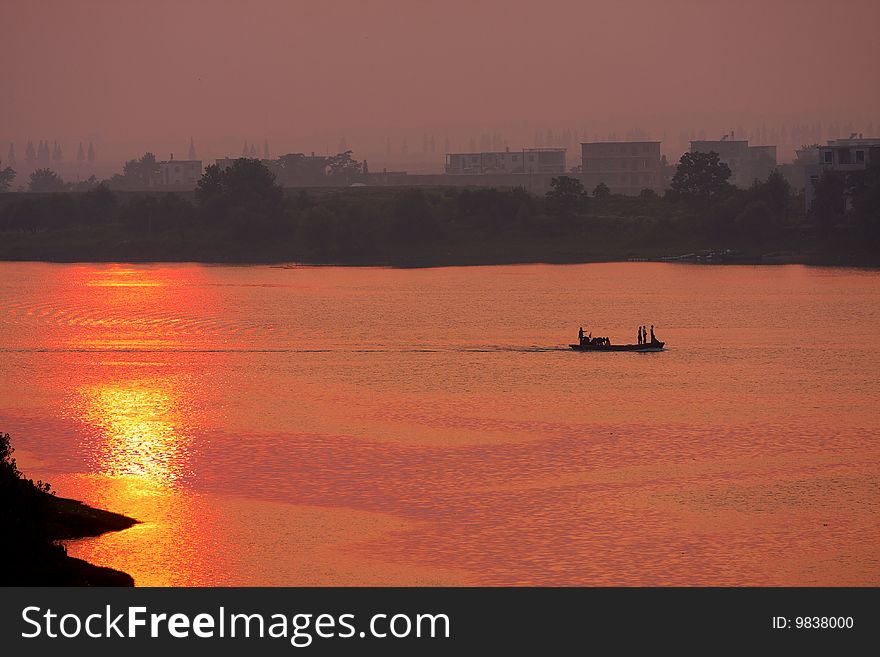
(653, 339)
(581, 335)
(640, 335)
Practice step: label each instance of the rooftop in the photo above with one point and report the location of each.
(518, 150)
(719, 141)
(590, 143)
(853, 141)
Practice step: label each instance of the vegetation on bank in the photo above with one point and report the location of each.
(241, 214)
(33, 520)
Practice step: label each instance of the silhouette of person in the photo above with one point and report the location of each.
(581, 335)
(653, 339)
(640, 335)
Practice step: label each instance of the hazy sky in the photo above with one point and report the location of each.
(136, 71)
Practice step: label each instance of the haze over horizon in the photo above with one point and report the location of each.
(308, 75)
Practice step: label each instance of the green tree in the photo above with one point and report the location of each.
(99, 204)
(829, 201)
(601, 191)
(412, 218)
(211, 185)
(7, 175)
(85, 185)
(701, 175)
(46, 180)
(244, 197)
(866, 200)
(141, 172)
(343, 166)
(567, 194)
(776, 191)
(757, 221)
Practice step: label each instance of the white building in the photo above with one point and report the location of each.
(179, 174)
(527, 160)
(626, 167)
(845, 155)
(853, 154)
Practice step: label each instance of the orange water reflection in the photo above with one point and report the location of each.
(331, 426)
(139, 419)
(126, 308)
(140, 435)
(120, 275)
(139, 447)
(136, 420)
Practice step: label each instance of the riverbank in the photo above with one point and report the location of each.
(429, 228)
(72, 519)
(34, 521)
(476, 255)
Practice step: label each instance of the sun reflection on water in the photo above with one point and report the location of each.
(136, 416)
(140, 436)
(120, 275)
(139, 415)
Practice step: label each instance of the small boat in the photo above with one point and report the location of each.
(644, 348)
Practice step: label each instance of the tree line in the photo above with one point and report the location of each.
(241, 213)
(140, 174)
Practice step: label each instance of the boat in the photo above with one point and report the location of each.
(642, 348)
(589, 343)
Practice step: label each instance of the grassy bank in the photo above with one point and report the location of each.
(34, 520)
(113, 244)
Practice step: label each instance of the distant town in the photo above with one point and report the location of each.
(725, 199)
(627, 165)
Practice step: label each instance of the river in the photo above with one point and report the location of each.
(370, 426)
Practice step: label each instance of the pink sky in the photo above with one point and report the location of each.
(135, 73)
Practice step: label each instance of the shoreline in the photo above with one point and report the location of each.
(414, 227)
(73, 519)
(69, 519)
(427, 262)
(35, 523)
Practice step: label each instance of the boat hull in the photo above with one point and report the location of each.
(643, 348)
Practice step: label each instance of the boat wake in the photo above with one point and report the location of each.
(479, 349)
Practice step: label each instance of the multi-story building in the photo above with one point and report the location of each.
(853, 154)
(802, 171)
(747, 163)
(528, 160)
(626, 167)
(179, 174)
(805, 164)
(845, 155)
